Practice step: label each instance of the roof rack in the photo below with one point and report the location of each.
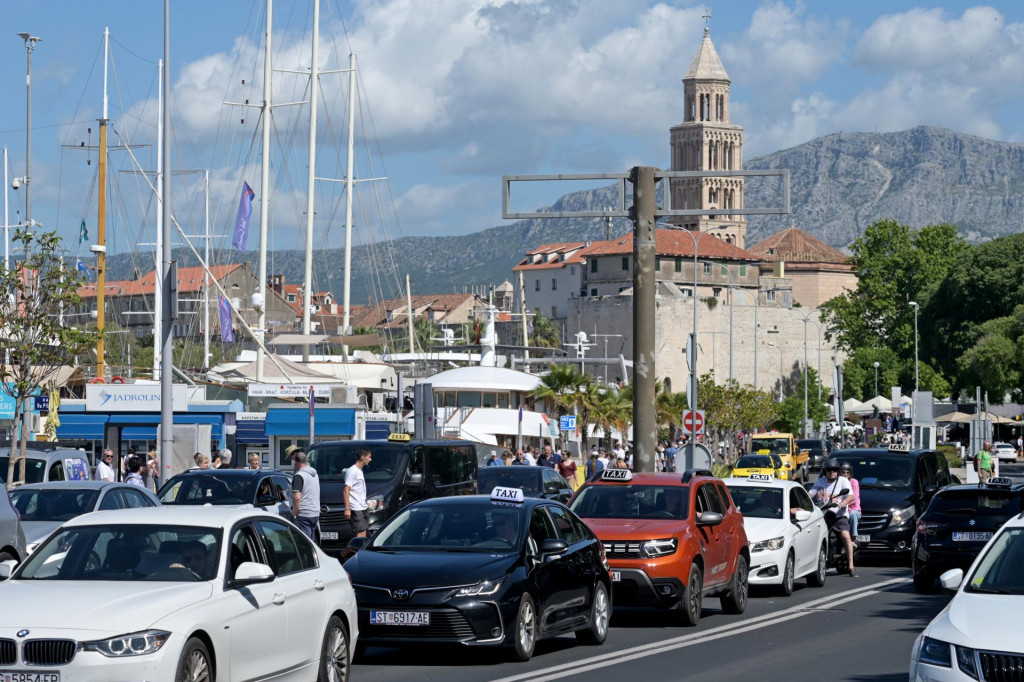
(690, 473)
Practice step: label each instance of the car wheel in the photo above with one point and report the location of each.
(524, 637)
(194, 664)
(600, 614)
(817, 579)
(334, 658)
(786, 588)
(693, 598)
(735, 601)
(924, 583)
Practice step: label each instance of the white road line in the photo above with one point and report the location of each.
(656, 648)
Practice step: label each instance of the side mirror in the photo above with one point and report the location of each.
(414, 481)
(930, 490)
(7, 568)
(710, 518)
(357, 543)
(266, 501)
(803, 515)
(551, 547)
(951, 579)
(250, 573)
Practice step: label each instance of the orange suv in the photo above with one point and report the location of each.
(670, 539)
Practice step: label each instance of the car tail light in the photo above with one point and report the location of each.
(930, 526)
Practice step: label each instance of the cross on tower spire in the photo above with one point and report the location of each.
(707, 18)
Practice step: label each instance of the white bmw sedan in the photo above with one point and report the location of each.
(176, 593)
(787, 533)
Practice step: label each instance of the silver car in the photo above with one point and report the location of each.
(44, 507)
(12, 537)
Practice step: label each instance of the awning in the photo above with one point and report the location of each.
(138, 426)
(329, 421)
(250, 431)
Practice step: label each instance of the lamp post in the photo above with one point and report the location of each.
(876, 378)
(917, 378)
(30, 46)
(779, 348)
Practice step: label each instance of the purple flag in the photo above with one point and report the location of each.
(520, 414)
(227, 331)
(241, 235)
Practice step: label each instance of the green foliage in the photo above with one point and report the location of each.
(991, 363)
(546, 333)
(791, 413)
(731, 408)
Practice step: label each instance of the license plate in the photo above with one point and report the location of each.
(862, 539)
(400, 617)
(329, 535)
(971, 536)
(616, 576)
(29, 676)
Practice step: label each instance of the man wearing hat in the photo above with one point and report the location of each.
(305, 493)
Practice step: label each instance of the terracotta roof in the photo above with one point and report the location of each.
(547, 250)
(796, 246)
(673, 243)
(377, 315)
(707, 65)
(190, 280)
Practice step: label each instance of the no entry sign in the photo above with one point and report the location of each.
(693, 422)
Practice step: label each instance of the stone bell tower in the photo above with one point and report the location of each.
(706, 140)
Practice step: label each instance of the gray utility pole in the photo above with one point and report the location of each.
(169, 273)
(30, 46)
(644, 214)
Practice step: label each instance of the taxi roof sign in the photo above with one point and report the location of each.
(501, 494)
(399, 437)
(760, 477)
(899, 447)
(1000, 482)
(619, 475)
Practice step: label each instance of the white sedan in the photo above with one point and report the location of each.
(977, 636)
(787, 533)
(177, 593)
(1004, 452)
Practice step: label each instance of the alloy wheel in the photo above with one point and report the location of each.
(526, 627)
(337, 667)
(197, 668)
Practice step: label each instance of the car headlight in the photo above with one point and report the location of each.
(772, 544)
(900, 516)
(135, 644)
(934, 652)
(375, 502)
(966, 661)
(483, 589)
(658, 548)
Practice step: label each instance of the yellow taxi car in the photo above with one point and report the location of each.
(760, 464)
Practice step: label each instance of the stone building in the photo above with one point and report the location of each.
(552, 274)
(817, 271)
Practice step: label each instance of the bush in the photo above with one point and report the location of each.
(949, 452)
(720, 470)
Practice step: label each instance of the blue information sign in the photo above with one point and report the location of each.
(568, 422)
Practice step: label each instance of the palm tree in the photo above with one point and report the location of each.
(612, 405)
(557, 387)
(669, 407)
(545, 332)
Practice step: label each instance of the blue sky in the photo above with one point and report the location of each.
(459, 92)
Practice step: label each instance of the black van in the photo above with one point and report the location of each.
(402, 471)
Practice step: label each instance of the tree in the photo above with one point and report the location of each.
(37, 292)
(669, 407)
(992, 364)
(556, 388)
(612, 406)
(546, 333)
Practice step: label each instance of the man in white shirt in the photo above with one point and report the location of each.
(104, 472)
(530, 458)
(603, 459)
(619, 451)
(355, 494)
(834, 488)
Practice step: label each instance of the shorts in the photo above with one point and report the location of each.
(984, 475)
(842, 523)
(359, 521)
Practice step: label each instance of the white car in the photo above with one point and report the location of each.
(787, 533)
(977, 636)
(1004, 452)
(197, 593)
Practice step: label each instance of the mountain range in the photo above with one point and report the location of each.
(840, 184)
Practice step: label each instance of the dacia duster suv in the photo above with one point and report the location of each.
(670, 540)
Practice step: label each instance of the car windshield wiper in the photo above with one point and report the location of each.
(989, 590)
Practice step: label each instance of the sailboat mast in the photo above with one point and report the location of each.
(307, 298)
(157, 266)
(261, 320)
(206, 270)
(412, 326)
(168, 271)
(349, 184)
(7, 222)
(101, 220)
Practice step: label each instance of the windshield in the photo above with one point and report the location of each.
(331, 461)
(754, 462)
(757, 503)
(34, 469)
(999, 570)
(882, 471)
(774, 446)
(632, 502)
(52, 505)
(456, 528)
(812, 446)
(128, 553)
(1004, 503)
(208, 489)
(526, 478)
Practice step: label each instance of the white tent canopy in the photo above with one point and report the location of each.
(853, 406)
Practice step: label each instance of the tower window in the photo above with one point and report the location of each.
(593, 265)
(625, 262)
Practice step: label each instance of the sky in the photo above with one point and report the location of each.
(452, 94)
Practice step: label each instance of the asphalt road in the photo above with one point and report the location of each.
(851, 629)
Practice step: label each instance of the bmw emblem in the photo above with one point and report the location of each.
(400, 594)
(22, 633)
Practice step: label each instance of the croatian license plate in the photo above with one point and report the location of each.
(399, 617)
(29, 676)
(862, 539)
(971, 536)
(616, 576)
(329, 535)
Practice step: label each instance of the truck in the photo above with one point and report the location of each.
(795, 462)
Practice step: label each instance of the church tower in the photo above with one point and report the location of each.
(706, 140)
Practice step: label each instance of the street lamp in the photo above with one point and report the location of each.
(30, 45)
(917, 378)
(876, 377)
(781, 378)
(806, 318)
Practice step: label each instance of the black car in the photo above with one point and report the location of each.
(895, 486)
(267, 489)
(817, 451)
(504, 570)
(956, 525)
(543, 482)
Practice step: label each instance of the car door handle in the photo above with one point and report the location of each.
(319, 585)
(279, 598)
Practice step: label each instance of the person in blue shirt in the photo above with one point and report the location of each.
(670, 457)
(492, 461)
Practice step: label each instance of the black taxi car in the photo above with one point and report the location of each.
(502, 570)
(958, 522)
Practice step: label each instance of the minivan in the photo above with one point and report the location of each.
(402, 471)
(51, 464)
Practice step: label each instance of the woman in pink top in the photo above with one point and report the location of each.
(854, 507)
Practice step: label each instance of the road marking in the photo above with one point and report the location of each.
(664, 646)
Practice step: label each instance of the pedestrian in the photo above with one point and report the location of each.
(528, 457)
(202, 461)
(846, 470)
(134, 469)
(618, 450)
(506, 458)
(215, 461)
(305, 493)
(983, 463)
(104, 472)
(151, 472)
(355, 494)
(492, 460)
(225, 458)
(603, 460)
(567, 470)
(520, 459)
(254, 461)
